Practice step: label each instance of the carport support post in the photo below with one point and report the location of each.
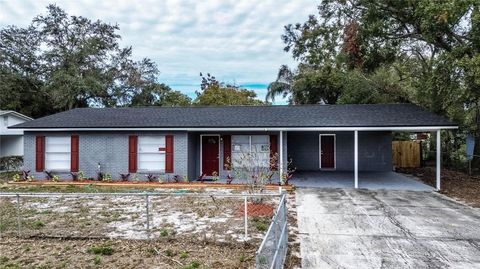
(439, 165)
(280, 157)
(356, 158)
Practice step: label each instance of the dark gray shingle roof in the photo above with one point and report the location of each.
(378, 115)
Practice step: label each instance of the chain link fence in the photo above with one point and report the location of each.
(194, 217)
(273, 249)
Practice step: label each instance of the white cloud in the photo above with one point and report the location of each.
(234, 40)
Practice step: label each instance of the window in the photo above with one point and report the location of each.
(258, 145)
(57, 153)
(151, 153)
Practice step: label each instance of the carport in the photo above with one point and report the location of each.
(353, 147)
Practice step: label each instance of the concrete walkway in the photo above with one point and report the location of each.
(346, 228)
(367, 180)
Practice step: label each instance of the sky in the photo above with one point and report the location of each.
(236, 41)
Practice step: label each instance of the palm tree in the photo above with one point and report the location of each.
(282, 85)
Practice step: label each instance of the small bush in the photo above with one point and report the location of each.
(184, 255)
(243, 258)
(97, 260)
(38, 224)
(164, 232)
(261, 227)
(169, 253)
(192, 265)
(100, 250)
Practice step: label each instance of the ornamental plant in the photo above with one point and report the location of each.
(55, 178)
(107, 177)
(16, 178)
(135, 178)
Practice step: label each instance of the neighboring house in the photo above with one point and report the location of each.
(11, 140)
(199, 140)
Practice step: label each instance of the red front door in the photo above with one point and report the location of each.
(210, 152)
(327, 151)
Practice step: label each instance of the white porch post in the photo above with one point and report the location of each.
(439, 165)
(356, 158)
(280, 158)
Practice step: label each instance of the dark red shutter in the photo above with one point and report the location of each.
(169, 154)
(132, 153)
(74, 154)
(273, 152)
(227, 152)
(39, 153)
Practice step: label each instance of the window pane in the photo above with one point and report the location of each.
(57, 153)
(150, 158)
(260, 139)
(151, 143)
(57, 144)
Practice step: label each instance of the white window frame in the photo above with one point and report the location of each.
(145, 153)
(49, 153)
(334, 152)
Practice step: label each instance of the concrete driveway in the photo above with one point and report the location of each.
(347, 228)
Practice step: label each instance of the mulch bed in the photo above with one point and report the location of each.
(130, 184)
(256, 210)
(455, 184)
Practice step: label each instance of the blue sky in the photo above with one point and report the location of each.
(236, 41)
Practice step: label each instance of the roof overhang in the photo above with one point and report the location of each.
(262, 129)
(15, 113)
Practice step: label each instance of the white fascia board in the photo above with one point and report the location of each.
(265, 129)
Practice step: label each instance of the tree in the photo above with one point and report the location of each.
(215, 93)
(60, 62)
(425, 52)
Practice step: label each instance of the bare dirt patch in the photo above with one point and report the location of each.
(57, 231)
(455, 184)
(55, 253)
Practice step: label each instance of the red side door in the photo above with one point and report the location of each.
(210, 155)
(327, 154)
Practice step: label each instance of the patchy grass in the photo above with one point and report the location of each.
(51, 253)
(101, 250)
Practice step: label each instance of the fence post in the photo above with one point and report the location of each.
(246, 219)
(18, 215)
(147, 202)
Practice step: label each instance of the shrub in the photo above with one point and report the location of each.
(38, 224)
(124, 176)
(192, 265)
(261, 227)
(151, 178)
(100, 250)
(107, 177)
(11, 163)
(169, 253)
(16, 178)
(184, 255)
(164, 232)
(97, 260)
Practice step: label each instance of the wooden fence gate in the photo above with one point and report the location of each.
(406, 153)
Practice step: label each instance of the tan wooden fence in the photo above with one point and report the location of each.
(406, 153)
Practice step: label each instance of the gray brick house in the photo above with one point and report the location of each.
(194, 141)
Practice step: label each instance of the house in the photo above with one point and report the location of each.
(200, 140)
(11, 140)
